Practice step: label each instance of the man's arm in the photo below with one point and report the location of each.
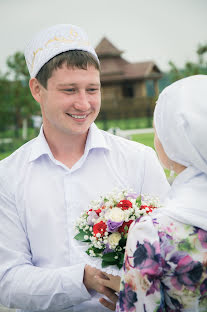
(28, 287)
(23, 285)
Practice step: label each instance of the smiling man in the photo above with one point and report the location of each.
(46, 184)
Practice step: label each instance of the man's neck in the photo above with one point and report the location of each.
(68, 149)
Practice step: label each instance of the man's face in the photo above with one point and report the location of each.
(71, 101)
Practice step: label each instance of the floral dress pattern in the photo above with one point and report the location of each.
(165, 267)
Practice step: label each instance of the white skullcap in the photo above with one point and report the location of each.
(180, 119)
(53, 41)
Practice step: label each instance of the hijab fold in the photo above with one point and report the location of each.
(180, 119)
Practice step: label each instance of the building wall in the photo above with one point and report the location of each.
(116, 91)
(140, 88)
(112, 91)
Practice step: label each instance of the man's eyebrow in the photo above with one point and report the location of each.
(66, 84)
(74, 84)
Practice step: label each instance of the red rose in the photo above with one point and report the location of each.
(124, 204)
(121, 228)
(98, 211)
(150, 208)
(99, 228)
(88, 211)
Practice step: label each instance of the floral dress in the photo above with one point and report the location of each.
(165, 267)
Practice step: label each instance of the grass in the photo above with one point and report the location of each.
(147, 139)
(4, 155)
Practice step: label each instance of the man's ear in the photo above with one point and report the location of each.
(35, 89)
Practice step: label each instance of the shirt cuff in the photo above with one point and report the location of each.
(72, 281)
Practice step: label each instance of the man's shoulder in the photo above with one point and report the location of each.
(18, 158)
(120, 143)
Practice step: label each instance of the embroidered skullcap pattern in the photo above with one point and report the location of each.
(53, 41)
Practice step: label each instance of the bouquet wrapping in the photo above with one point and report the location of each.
(104, 226)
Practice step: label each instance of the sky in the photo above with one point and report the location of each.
(157, 30)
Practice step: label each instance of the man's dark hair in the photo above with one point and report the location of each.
(73, 58)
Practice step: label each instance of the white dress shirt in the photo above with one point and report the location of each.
(40, 198)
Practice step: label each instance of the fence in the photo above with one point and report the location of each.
(117, 109)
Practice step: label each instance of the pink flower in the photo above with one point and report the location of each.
(187, 273)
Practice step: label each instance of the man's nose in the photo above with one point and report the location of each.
(82, 101)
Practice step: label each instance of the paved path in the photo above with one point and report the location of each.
(3, 309)
(6, 140)
(138, 131)
(128, 133)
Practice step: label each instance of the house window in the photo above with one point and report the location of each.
(128, 90)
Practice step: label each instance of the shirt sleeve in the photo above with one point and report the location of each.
(141, 288)
(23, 285)
(155, 181)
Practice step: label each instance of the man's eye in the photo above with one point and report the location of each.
(92, 89)
(69, 90)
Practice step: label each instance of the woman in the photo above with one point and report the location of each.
(165, 265)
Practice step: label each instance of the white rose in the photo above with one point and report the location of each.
(116, 215)
(114, 239)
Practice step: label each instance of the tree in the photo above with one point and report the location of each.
(16, 98)
(190, 68)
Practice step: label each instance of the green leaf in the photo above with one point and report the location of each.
(109, 257)
(80, 236)
(122, 242)
(139, 200)
(185, 245)
(121, 260)
(95, 250)
(119, 265)
(105, 264)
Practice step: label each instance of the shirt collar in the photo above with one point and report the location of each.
(40, 147)
(95, 139)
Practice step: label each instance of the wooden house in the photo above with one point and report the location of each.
(123, 80)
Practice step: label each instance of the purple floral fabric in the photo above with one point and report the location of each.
(165, 267)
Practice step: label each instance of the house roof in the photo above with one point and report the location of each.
(106, 48)
(115, 68)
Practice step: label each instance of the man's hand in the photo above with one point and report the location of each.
(94, 279)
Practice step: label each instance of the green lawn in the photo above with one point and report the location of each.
(4, 155)
(147, 139)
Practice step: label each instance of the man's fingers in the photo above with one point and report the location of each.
(107, 304)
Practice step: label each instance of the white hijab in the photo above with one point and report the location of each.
(180, 119)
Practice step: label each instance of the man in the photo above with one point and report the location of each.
(46, 183)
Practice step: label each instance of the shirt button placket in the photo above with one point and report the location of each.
(68, 185)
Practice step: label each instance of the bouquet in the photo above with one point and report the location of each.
(105, 225)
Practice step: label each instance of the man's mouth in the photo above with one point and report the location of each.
(77, 116)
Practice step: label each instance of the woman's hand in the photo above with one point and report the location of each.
(110, 282)
(95, 279)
